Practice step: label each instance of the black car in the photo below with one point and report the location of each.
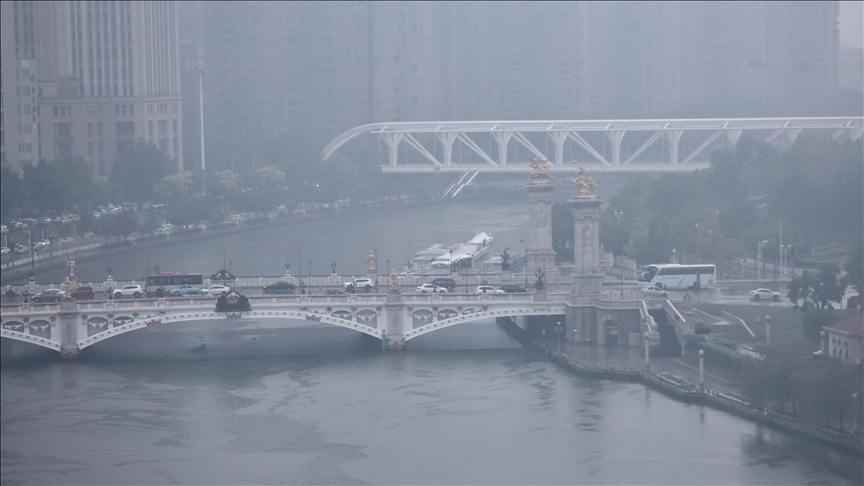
(280, 288)
(513, 288)
(446, 282)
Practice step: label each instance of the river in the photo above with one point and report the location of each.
(324, 405)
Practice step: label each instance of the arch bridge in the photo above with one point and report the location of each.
(70, 326)
(663, 145)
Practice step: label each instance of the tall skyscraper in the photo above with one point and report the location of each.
(19, 129)
(325, 67)
(106, 73)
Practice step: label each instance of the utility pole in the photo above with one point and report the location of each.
(201, 101)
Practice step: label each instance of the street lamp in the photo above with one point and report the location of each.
(673, 255)
(287, 269)
(618, 215)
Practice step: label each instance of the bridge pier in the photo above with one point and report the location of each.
(68, 329)
(395, 325)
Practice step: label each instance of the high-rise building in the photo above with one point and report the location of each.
(325, 67)
(106, 74)
(19, 128)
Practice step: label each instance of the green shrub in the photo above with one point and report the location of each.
(722, 356)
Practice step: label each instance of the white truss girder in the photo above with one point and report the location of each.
(675, 133)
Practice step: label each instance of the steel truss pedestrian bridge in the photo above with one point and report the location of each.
(678, 145)
(70, 326)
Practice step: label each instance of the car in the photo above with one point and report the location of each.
(22, 249)
(185, 290)
(83, 292)
(5, 251)
(335, 292)
(487, 289)
(66, 240)
(429, 288)
(510, 288)
(134, 291)
(765, 294)
(49, 295)
(359, 283)
(217, 290)
(280, 288)
(446, 282)
(653, 292)
(41, 244)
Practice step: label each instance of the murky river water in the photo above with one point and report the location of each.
(321, 405)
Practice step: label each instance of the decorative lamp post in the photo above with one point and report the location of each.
(388, 267)
(287, 270)
(701, 371)
(673, 255)
(647, 364)
(110, 283)
(333, 268)
(618, 215)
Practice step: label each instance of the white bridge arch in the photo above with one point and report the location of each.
(608, 152)
(72, 326)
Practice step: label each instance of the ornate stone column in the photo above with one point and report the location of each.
(540, 253)
(587, 274)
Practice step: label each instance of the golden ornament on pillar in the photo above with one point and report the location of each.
(584, 185)
(541, 172)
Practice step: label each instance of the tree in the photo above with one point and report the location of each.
(562, 231)
(47, 184)
(816, 291)
(13, 196)
(854, 268)
(174, 189)
(814, 320)
(139, 168)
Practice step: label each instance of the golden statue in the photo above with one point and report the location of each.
(584, 185)
(71, 264)
(67, 288)
(394, 280)
(541, 172)
(370, 259)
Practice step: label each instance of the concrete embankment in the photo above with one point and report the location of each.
(724, 400)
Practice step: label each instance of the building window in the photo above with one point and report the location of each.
(125, 129)
(163, 128)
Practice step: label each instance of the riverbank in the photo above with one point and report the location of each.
(683, 386)
(21, 273)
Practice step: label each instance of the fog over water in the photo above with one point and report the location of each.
(288, 403)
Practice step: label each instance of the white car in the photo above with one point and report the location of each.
(41, 244)
(767, 294)
(217, 290)
(5, 251)
(134, 291)
(428, 288)
(653, 292)
(366, 284)
(488, 289)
